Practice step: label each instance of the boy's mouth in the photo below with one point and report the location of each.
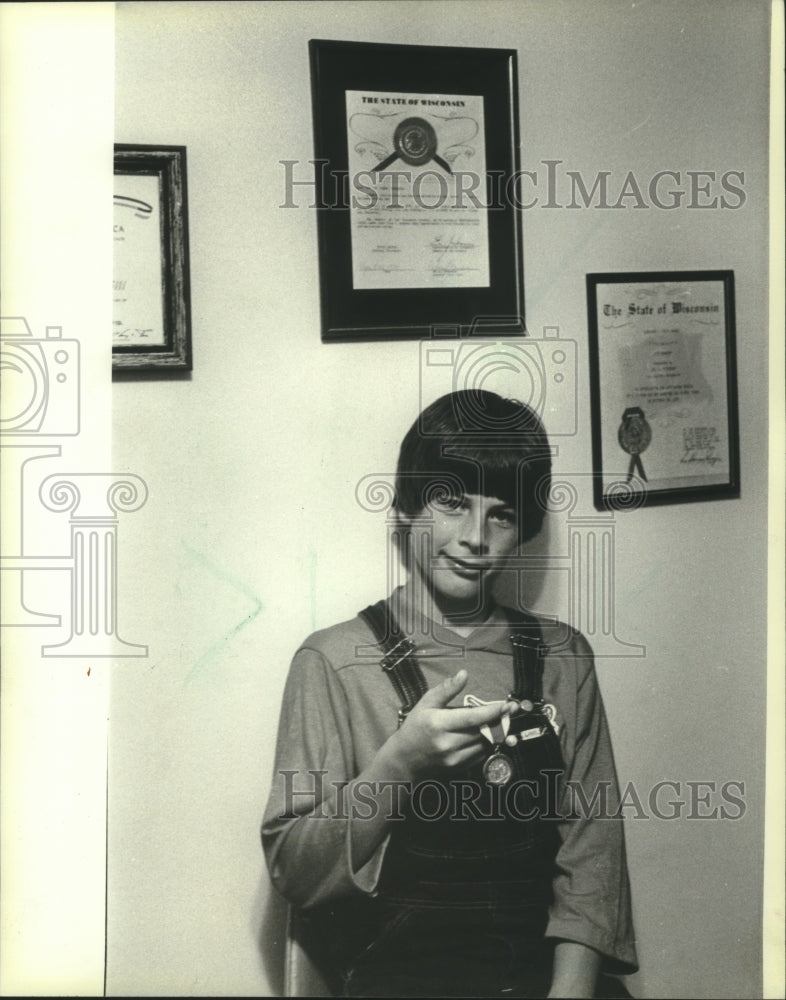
(466, 567)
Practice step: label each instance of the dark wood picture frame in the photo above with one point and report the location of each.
(355, 313)
(134, 347)
(670, 336)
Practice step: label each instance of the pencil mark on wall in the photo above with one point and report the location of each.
(220, 645)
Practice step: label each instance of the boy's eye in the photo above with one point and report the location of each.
(505, 517)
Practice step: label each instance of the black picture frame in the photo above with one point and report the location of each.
(354, 313)
(165, 346)
(663, 342)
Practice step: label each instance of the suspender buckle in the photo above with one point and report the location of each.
(398, 661)
(403, 648)
(525, 641)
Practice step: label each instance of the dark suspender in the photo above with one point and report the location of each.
(398, 661)
(401, 666)
(528, 651)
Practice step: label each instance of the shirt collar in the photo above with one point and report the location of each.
(432, 636)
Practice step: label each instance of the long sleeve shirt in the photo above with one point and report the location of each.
(339, 708)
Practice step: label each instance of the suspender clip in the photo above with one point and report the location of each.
(404, 648)
(525, 641)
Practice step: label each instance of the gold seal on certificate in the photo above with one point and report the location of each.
(634, 437)
(415, 141)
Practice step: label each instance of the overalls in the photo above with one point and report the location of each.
(465, 888)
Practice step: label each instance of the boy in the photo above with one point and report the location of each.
(418, 819)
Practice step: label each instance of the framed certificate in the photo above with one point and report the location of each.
(151, 326)
(415, 172)
(663, 387)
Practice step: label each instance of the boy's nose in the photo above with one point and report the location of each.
(472, 531)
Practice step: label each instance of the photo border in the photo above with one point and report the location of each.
(632, 498)
(168, 163)
(378, 314)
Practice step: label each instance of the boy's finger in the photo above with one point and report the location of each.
(468, 718)
(443, 693)
(472, 753)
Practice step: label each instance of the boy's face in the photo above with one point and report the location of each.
(460, 543)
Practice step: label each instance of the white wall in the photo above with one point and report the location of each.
(252, 535)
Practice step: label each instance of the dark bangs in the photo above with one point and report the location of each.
(476, 442)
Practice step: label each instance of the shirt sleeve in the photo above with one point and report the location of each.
(592, 903)
(306, 830)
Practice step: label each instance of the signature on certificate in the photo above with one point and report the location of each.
(133, 334)
(699, 446)
(450, 271)
(453, 244)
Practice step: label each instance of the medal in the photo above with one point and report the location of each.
(497, 767)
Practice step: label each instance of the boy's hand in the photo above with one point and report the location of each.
(435, 738)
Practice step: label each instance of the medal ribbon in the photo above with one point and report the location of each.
(396, 155)
(635, 465)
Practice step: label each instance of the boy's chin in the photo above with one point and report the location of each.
(463, 596)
